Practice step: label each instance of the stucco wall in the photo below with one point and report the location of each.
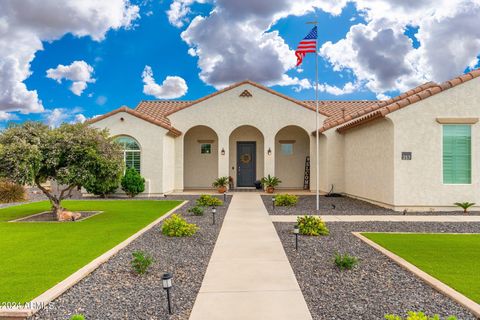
(332, 161)
(150, 137)
(291, 168)
(368, 162)
(168, 163)
(200, 169)
(227, 111)
(419, 182)
(246, 133)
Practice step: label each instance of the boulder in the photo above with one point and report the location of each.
(69, 216)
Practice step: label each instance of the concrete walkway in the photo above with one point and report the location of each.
(391, 218)
(249, 276)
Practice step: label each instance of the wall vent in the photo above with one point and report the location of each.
(246, 94)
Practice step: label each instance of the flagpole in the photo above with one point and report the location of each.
(317, 166)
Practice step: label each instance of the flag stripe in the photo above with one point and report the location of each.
(307, 45)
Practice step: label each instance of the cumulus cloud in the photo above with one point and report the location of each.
(171, 88)
(349, 87)
(7, 116)
(55, 117)
(79, 72)
(25, 24)
(235, 41)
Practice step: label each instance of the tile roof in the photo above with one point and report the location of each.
(410, 97)
(338, 109)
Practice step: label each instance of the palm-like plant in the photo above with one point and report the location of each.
(270, 182)
(464, 205)
(221, 184)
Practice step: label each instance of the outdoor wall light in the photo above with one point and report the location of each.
(222, 152)
(167, 285)
(269, 152)
(214, 210)
(296, 231)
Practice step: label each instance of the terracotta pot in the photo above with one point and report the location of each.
(222, 189)
(270, 189)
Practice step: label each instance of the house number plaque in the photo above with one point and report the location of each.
(406, 156)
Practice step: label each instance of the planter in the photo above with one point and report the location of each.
(222, 189)
(258, 185)
(270, 189)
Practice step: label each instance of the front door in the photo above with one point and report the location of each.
(246, 160)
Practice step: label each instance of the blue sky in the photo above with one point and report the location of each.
(358, 49)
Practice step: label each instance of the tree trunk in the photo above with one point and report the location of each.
(56, 208)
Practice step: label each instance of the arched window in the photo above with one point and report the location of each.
(131, 152)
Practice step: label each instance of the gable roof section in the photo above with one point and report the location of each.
(155, 121)
(337, 109)
(382, 108)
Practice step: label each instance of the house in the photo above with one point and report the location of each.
(419, 150)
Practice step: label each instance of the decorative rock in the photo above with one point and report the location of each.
(69, 216)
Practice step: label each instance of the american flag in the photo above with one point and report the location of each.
(307, 45)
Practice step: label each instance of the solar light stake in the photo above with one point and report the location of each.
(295, 232)
(273, 203)
(225, 196)
(214, 210)
(167, 284)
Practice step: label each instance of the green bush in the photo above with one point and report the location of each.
(345, 261)
(141, 262)
(132, 182)
(176, 226)
(464, 205)
(77, 317)
(312, 226)
(197, 210)
(206, 200)
(11, 192)
(417, 316)
(286, 200)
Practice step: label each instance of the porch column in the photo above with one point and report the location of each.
(223, 160)
(269, 145)
(179, 156)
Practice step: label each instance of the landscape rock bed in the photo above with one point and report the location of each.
(113, 291)
(343, 206)
(377, 286)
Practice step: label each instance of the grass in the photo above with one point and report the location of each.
(453, 259)
(37, 255)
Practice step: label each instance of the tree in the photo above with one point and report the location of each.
(106, 181)
(74, 155)
(132, 182)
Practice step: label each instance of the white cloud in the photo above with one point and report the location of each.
(7, 116)
(349, 87)
(25, 24)
(172, 87)
(55, 117)
(79, 72)
(101, 100)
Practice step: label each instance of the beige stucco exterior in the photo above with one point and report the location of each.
(363, 162)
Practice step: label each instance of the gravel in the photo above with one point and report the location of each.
(343, 206)
(114, 292)
(376, 286)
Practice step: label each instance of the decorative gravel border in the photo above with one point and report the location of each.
(343, 206)
(113, 291)
(433, 282)
(377, 286)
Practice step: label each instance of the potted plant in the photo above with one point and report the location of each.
(221, 184)
(269, 183)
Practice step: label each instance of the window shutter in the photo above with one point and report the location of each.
(457, 154)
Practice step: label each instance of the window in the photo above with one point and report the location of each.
(287, 149)
(457, 155)
(206, 148)
(131, 152)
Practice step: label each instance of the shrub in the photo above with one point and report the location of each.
(270, 181)
(312, 226)
(11, 191)
(286, 200)
(197, 210)
(345, 261)
(77, 317)
(132, 182)
(464, 205)
(141, 262)
(220, 182)
(206, 200)
(176, 226)
(417, 316)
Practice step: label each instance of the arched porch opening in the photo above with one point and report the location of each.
(292, 146)
(200, 162)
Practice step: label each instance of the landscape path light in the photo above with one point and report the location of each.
(167, 285)
(296, 231)
(273, 203)
(214, 211)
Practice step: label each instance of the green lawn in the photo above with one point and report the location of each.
(36, 256)
(451, 258)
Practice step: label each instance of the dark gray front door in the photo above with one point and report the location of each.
(246, 160)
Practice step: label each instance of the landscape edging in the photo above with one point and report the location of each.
(436, 284)
(51, 294)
